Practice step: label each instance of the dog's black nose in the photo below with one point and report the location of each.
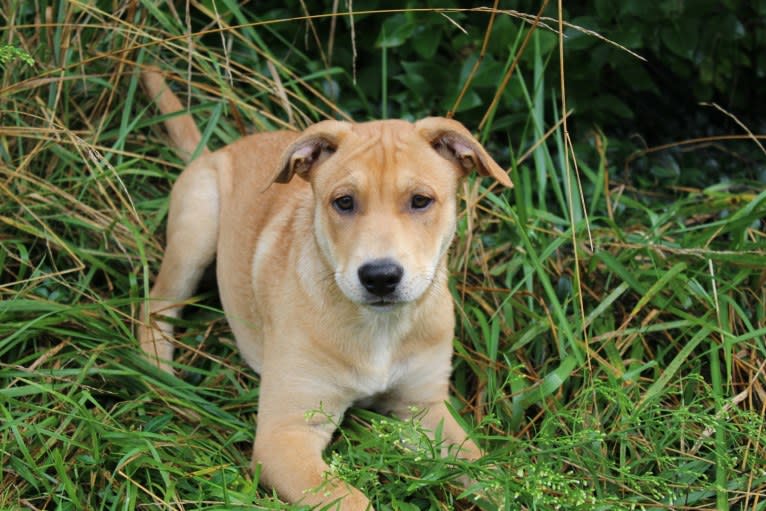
(381, 276)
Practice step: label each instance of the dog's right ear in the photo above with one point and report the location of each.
(316, 144)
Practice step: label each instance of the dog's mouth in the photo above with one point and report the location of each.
(382, 304)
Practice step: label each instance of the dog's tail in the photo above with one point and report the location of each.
(181, 128)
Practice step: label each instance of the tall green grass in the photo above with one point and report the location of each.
(650, 396)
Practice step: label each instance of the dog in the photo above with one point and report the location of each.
(331, 258)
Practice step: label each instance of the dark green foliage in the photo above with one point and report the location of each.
(413, 62)
(699, 51)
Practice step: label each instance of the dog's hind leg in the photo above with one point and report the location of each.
(192, 236)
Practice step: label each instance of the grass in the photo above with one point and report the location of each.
(635, 382)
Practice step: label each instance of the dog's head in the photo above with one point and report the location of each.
(385, 200)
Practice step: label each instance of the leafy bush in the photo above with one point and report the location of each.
(701, 51)
(411, 63)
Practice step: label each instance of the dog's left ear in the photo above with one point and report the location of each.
(454, 142)
(317, 143)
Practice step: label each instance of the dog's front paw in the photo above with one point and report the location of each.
(335, 495)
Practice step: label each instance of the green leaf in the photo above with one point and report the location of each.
(426, 39)
(577, 39)
(613, 104)
(606, 9)
(681, 40)
(631, 37)
(658, 386)
(395, 31)
(551, 383)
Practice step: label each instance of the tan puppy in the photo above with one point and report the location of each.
(334, 282)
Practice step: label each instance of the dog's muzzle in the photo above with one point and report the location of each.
(380, 278)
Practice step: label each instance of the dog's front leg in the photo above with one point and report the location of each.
(294, 427)
(291, 463)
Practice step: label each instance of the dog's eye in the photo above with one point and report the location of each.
(420, 201)
(344, 204)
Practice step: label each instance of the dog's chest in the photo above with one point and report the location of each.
(380, 365)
